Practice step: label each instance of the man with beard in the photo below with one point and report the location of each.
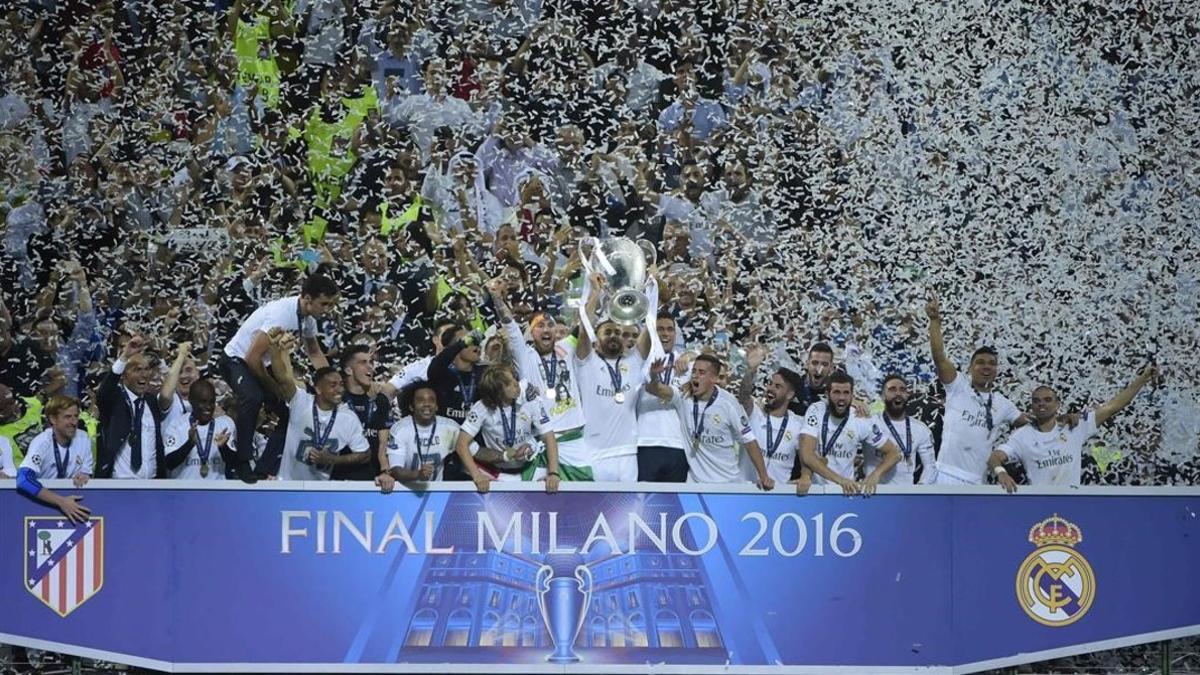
(817, 369)
(911, 436)
(975, 414)
(714, 422)
(546, 365)
(1051, 454)
(609, 380)
(318, 427)
(832, 437)
(131, 444)
(776, 428)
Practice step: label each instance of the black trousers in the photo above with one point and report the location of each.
(251, 396)
(658, 464)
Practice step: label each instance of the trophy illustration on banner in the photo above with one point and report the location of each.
(564, 602)
(624, 264)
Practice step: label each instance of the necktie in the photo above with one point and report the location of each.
(135, 436)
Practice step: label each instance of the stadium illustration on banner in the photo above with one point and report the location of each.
(1056, 585)
(577, 581)
(64, 562)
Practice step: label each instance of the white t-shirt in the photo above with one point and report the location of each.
(532, 421)
(611, 429)
(302, 435)
(786, 430)
(859, 434)
(566, 409)
(284, 313)
(1051, 457)
(7, 463)
(77, 458)
(966, 440)
(437, 442)
(722, 426)
(922, 446)
(658, 424)
(177, 434)
(417, 371)
(179, 412)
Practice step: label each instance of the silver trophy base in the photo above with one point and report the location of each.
(557, 658)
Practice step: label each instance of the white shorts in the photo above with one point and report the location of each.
(621, 469)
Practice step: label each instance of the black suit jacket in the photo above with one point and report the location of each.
(115, 421)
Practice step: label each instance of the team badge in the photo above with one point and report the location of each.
(64, 562)
(1055, 585)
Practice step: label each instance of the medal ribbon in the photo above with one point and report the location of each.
(827, 445)
(906, 450)
(698, 416)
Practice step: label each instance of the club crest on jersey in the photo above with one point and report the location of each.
(1055, 584)
(64, 562)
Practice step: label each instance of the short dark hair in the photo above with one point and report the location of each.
(890, 377)
(317, 285)
(709, 358)
(349, 353)
(840, 377)
(322, 373)
(821, 348)
(665, 314)
(791, 378)
(984, 350)
(448, 329)
(203, 385)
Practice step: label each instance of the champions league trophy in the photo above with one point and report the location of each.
(624, 264)
(566, 607)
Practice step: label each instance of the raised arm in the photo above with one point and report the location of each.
(282, 344)
(755, 356)
(583, 348)
(166, 395)
(945, 367)
(654, 383)
(1122, 399)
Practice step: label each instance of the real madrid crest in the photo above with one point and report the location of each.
(1055, 584)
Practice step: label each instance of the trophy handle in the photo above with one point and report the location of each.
(584, 576)
(541, 585)
(649, 251)
(586, 260)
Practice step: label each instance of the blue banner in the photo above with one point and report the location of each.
(274, 578)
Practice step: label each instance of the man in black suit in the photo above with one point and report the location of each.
(131, 444)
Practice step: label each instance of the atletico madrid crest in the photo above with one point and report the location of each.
(64, 562)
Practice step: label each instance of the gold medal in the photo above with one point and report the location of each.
(204, 470)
